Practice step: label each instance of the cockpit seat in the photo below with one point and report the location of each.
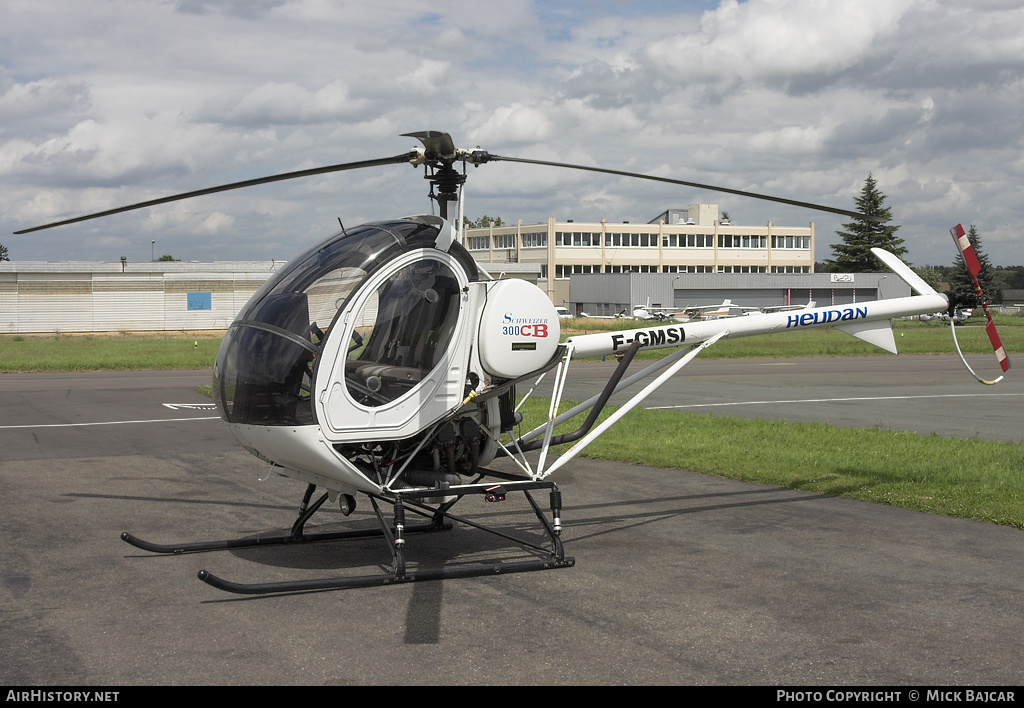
(381, 382)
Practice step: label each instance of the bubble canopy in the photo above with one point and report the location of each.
(267, 361)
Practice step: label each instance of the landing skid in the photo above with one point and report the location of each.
(415, 501)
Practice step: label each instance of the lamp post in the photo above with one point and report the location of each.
(152, 250)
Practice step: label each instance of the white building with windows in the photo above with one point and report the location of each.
(693, 240)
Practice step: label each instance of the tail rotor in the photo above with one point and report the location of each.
(974, 268)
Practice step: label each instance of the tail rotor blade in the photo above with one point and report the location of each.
(997, 343)
(974, 268)
(967, 251)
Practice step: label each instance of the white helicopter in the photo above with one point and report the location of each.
(384, 362)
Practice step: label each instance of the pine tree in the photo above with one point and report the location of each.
(3, 253)
(853, 255)
(960, 280)
(931, 275)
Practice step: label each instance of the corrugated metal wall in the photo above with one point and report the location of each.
(599, 293)
(752, 297)
(99, 297)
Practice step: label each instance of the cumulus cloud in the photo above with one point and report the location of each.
(775, 41)
(102, 105)
(281, 103)
(31, 100)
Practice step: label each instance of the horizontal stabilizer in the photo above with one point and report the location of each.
(878, 333)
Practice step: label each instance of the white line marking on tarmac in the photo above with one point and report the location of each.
(112, 422)
(834, 400)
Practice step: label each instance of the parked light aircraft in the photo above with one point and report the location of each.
(697, 313)
(960, 315)
(690, 313)
(786, 308)
(383, 362)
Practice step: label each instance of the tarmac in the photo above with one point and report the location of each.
(680, 578)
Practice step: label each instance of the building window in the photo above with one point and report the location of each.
(798, 242)
(564, 271)
(577, 239)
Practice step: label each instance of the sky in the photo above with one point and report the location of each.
(111, 102)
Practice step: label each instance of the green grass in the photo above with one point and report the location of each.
(40, 353)
(190, 350)
(119, 352)
(972, 479)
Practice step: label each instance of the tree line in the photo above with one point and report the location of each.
(853, 253)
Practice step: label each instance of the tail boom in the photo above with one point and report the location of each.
(854, 318)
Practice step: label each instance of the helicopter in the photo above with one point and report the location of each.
(384, 363)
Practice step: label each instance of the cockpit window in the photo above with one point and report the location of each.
(402, 332)
(264, 369)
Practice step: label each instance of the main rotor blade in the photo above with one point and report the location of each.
(397, 159)
(638, 175)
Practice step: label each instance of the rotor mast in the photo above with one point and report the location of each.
(439, 154)
(446, 180)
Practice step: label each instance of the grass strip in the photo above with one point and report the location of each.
(169, 350)
(972, 479)
(115, 352)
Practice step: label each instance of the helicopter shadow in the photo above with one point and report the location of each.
(436, 546)
(600, 525)
(456, 547)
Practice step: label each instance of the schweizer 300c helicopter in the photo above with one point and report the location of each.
(384, 362)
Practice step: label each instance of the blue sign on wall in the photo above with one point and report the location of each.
(199, 301)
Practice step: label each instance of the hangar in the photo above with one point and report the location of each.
(38, 297)
(612, 293)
